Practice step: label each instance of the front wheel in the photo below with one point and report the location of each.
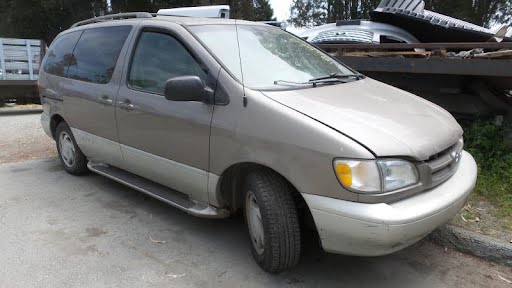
(70, 155)
(272, 221)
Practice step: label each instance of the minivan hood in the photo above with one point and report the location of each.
(385, 119)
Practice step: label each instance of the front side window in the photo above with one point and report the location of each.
(267, 55)
(61, 54)
(96, 54)
(159, 57)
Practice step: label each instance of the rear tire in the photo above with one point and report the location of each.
(70, 155)
(272, 221)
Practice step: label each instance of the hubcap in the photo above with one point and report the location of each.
(254, 222)
(67, 149)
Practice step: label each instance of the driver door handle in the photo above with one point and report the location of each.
(125, 105)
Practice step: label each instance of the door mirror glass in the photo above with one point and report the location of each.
(186, 88)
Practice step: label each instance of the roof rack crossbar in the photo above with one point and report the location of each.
(113, 17)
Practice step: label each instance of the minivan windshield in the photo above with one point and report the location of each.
(270, 58)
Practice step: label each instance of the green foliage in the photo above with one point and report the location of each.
(44, 19)
(306, 13)
(485, 142)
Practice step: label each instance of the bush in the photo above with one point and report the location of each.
(486, 142)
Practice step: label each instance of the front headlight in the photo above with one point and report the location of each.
(376, 176)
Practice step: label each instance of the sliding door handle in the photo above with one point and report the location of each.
(125, 105)
(105, 100)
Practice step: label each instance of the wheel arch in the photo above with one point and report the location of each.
(55, 120)
(230, 190)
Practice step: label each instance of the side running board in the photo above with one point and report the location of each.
(160, 192)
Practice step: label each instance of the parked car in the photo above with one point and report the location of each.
(357, 31)
(216, 116)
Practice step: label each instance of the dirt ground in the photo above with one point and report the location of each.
(480, 216)
(59, 230)
(21, 135)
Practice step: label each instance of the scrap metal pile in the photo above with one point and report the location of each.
(408, 22)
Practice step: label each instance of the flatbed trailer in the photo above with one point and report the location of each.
(469, 86)
(19, 68)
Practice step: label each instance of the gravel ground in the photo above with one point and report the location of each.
(21, 136)
(58, 230)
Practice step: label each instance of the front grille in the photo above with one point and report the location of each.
(344, 36)
(444, 164)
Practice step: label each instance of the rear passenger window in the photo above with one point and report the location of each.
(159, 57)
(61, 54)
(96, 54)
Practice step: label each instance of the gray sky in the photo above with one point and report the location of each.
(281, 9)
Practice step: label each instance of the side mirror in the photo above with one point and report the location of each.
(186, 88)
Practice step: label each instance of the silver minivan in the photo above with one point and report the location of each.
(219, 116)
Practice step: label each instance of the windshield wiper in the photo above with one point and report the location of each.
(330, 79)
(337, 76)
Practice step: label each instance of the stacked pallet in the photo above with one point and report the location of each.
(20, 59)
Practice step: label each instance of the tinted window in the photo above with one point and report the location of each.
(96, 54)
(60, 54)
(159, 57)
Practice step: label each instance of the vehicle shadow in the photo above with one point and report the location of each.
(15, 111)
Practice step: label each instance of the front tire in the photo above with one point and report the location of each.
(272, 221)
(70, 155)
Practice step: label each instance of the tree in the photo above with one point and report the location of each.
(479, 12)
(315, 12)
(308, 13)
(44, 19)
(256, 10)
(263, 11)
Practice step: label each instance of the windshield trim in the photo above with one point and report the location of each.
(187, 27)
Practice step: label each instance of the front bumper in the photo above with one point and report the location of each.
(378, 229)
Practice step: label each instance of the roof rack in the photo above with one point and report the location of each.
(113, 17)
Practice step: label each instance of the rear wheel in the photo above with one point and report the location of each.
(70, 155)
(272, 221)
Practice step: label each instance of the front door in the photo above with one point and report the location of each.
(164, 141)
